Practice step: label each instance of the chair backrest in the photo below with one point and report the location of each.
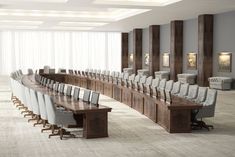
(34, 101)
(51, 110)
(61, 88)
(192, 92)
(126, 76)
(76, 93)
(132, 77)
(28, 99)
(201, 97)
(69, 90)
(211, 97)
(56, 86)
(42, 106)
(162, 84)
(176, 87)
(121, 75)
(155, 82)
(149, 80)
(137, 78)
(30, 71)
(169, 85)
(143, 79)
(184, 90)
(86, 95)
(95, 98)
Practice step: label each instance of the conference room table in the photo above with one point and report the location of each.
(93, 118)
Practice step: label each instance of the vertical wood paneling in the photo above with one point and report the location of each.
(124, 43)
(137, 49)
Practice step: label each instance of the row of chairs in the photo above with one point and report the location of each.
(167, 91)
(41, 107)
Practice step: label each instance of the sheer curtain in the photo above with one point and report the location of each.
(70, 50)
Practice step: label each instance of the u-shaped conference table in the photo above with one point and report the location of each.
(93, 119)
(174, 118)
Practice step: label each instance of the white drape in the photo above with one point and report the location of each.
(70, 50)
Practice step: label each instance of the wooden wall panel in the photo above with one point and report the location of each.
(137, 49)
(124, 48)
(205, 49)
(154, 49)
(176, 55)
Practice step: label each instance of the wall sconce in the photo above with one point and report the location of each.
(192, 61)
(166, 60)
(146, 58)
(131, 57)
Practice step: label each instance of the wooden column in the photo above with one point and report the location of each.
(205, 49)
(154, 49)
(124, 43)
(137, 49)
(176, 55)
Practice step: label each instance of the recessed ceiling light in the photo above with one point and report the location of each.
(137, 2)
(93, 24)
(37, 1)
(72, 28)
(110, 14)
(17, 27)
(20, 22)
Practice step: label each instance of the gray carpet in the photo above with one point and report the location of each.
(130, 134)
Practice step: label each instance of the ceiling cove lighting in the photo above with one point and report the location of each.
(110, 14)
(17, 27)
(138, 2)
(82, 24)
(37, 1)
(20, 22)
(72, 28)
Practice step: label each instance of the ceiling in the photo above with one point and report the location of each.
(102, 15)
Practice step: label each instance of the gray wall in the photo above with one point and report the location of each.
(224, 40)
(164, 43)
(145, 46)
(190, 42)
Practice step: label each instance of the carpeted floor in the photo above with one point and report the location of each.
(130, 134)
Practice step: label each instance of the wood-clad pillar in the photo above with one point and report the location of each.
(154, 49)
(124, 46)
(205, 49)
(137, 49)
(176, 55)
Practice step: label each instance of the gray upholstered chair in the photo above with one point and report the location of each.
(201, 96)
(192, 92)
(120, 78)
(76, 93)
(176, 88)
(86, 95)
(30, 71)
(166, 91)
(95, 98)
(43, 112)
(125, 79)
(135, 82)
(29, 103)
(35, 106)
(208, 109)
(69, 90)
(61, 88)
(153, 87)
(56, 86)
(146, 85)
(111, 76)
(139, 85)
(130, 80)
(183, 90)
(57, 117)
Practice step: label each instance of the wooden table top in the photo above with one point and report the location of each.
(76, 106)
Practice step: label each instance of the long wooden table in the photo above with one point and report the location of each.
(175, 118)
(94, 119)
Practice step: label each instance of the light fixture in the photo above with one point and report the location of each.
(110, 14)
(90, 24)
(72, 28)
(37, 1)
(137, 2)
(131, 57)
(20, 22)
(17, 27)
